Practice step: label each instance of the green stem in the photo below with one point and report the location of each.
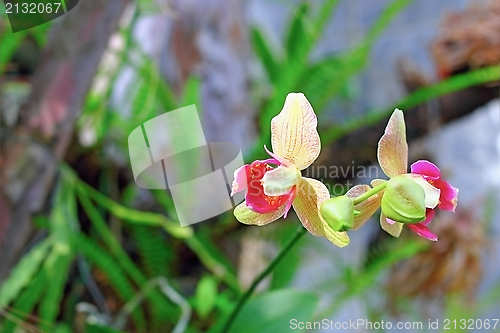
(298, 234)
(368, 194)
(155, 219)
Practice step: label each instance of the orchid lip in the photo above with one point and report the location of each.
(280, 181)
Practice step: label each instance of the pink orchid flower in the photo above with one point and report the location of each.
(393, 158)
(274, 185)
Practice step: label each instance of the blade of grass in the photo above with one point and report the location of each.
(100, 258)
(291, 73)
(23, 273)
(158, 220)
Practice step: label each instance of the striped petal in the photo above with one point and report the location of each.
(247, 216)
(293, 132)
(366, 208)
(392, 148)
(310, 195)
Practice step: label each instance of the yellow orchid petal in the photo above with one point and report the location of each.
(392, 150)
(247, 216)
(293, 132)
(310, 195)
(392, 229)
(366, 208)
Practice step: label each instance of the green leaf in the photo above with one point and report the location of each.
(143, 104)
(192, 93)
(212, 259)
(264, 53)
(23, 272)
(57, 268)
(322, 75)
(94, 328)
(132, 215)
(10, 42)
(156, 255)
(285, 270)
(385, 18)
(149, 72)
(291, 73)
(272, 312)
(63, 225)
(63, 328)
(206, 295)
(26, 302)
(99, 257)
(298, 31)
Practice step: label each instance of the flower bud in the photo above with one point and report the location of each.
(404, 200)
(338, 212)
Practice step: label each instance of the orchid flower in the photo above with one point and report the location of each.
(393, 159)
(270, 191)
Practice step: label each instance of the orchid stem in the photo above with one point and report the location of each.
(368, 194)
(244, 298)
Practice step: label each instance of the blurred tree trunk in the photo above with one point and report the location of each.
(209, 38)
(30, 153)
(359, 148)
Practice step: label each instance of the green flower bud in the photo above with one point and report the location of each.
(338, 212)
(404, 200)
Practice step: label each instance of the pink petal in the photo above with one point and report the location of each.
(293, 193)
(423, 231)
(449, 195)
(270, 161)
(429, 215)
(255, 197)
(259, 205)
(240, 179)
(427, 169)
(278, 158)
(390, 221)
